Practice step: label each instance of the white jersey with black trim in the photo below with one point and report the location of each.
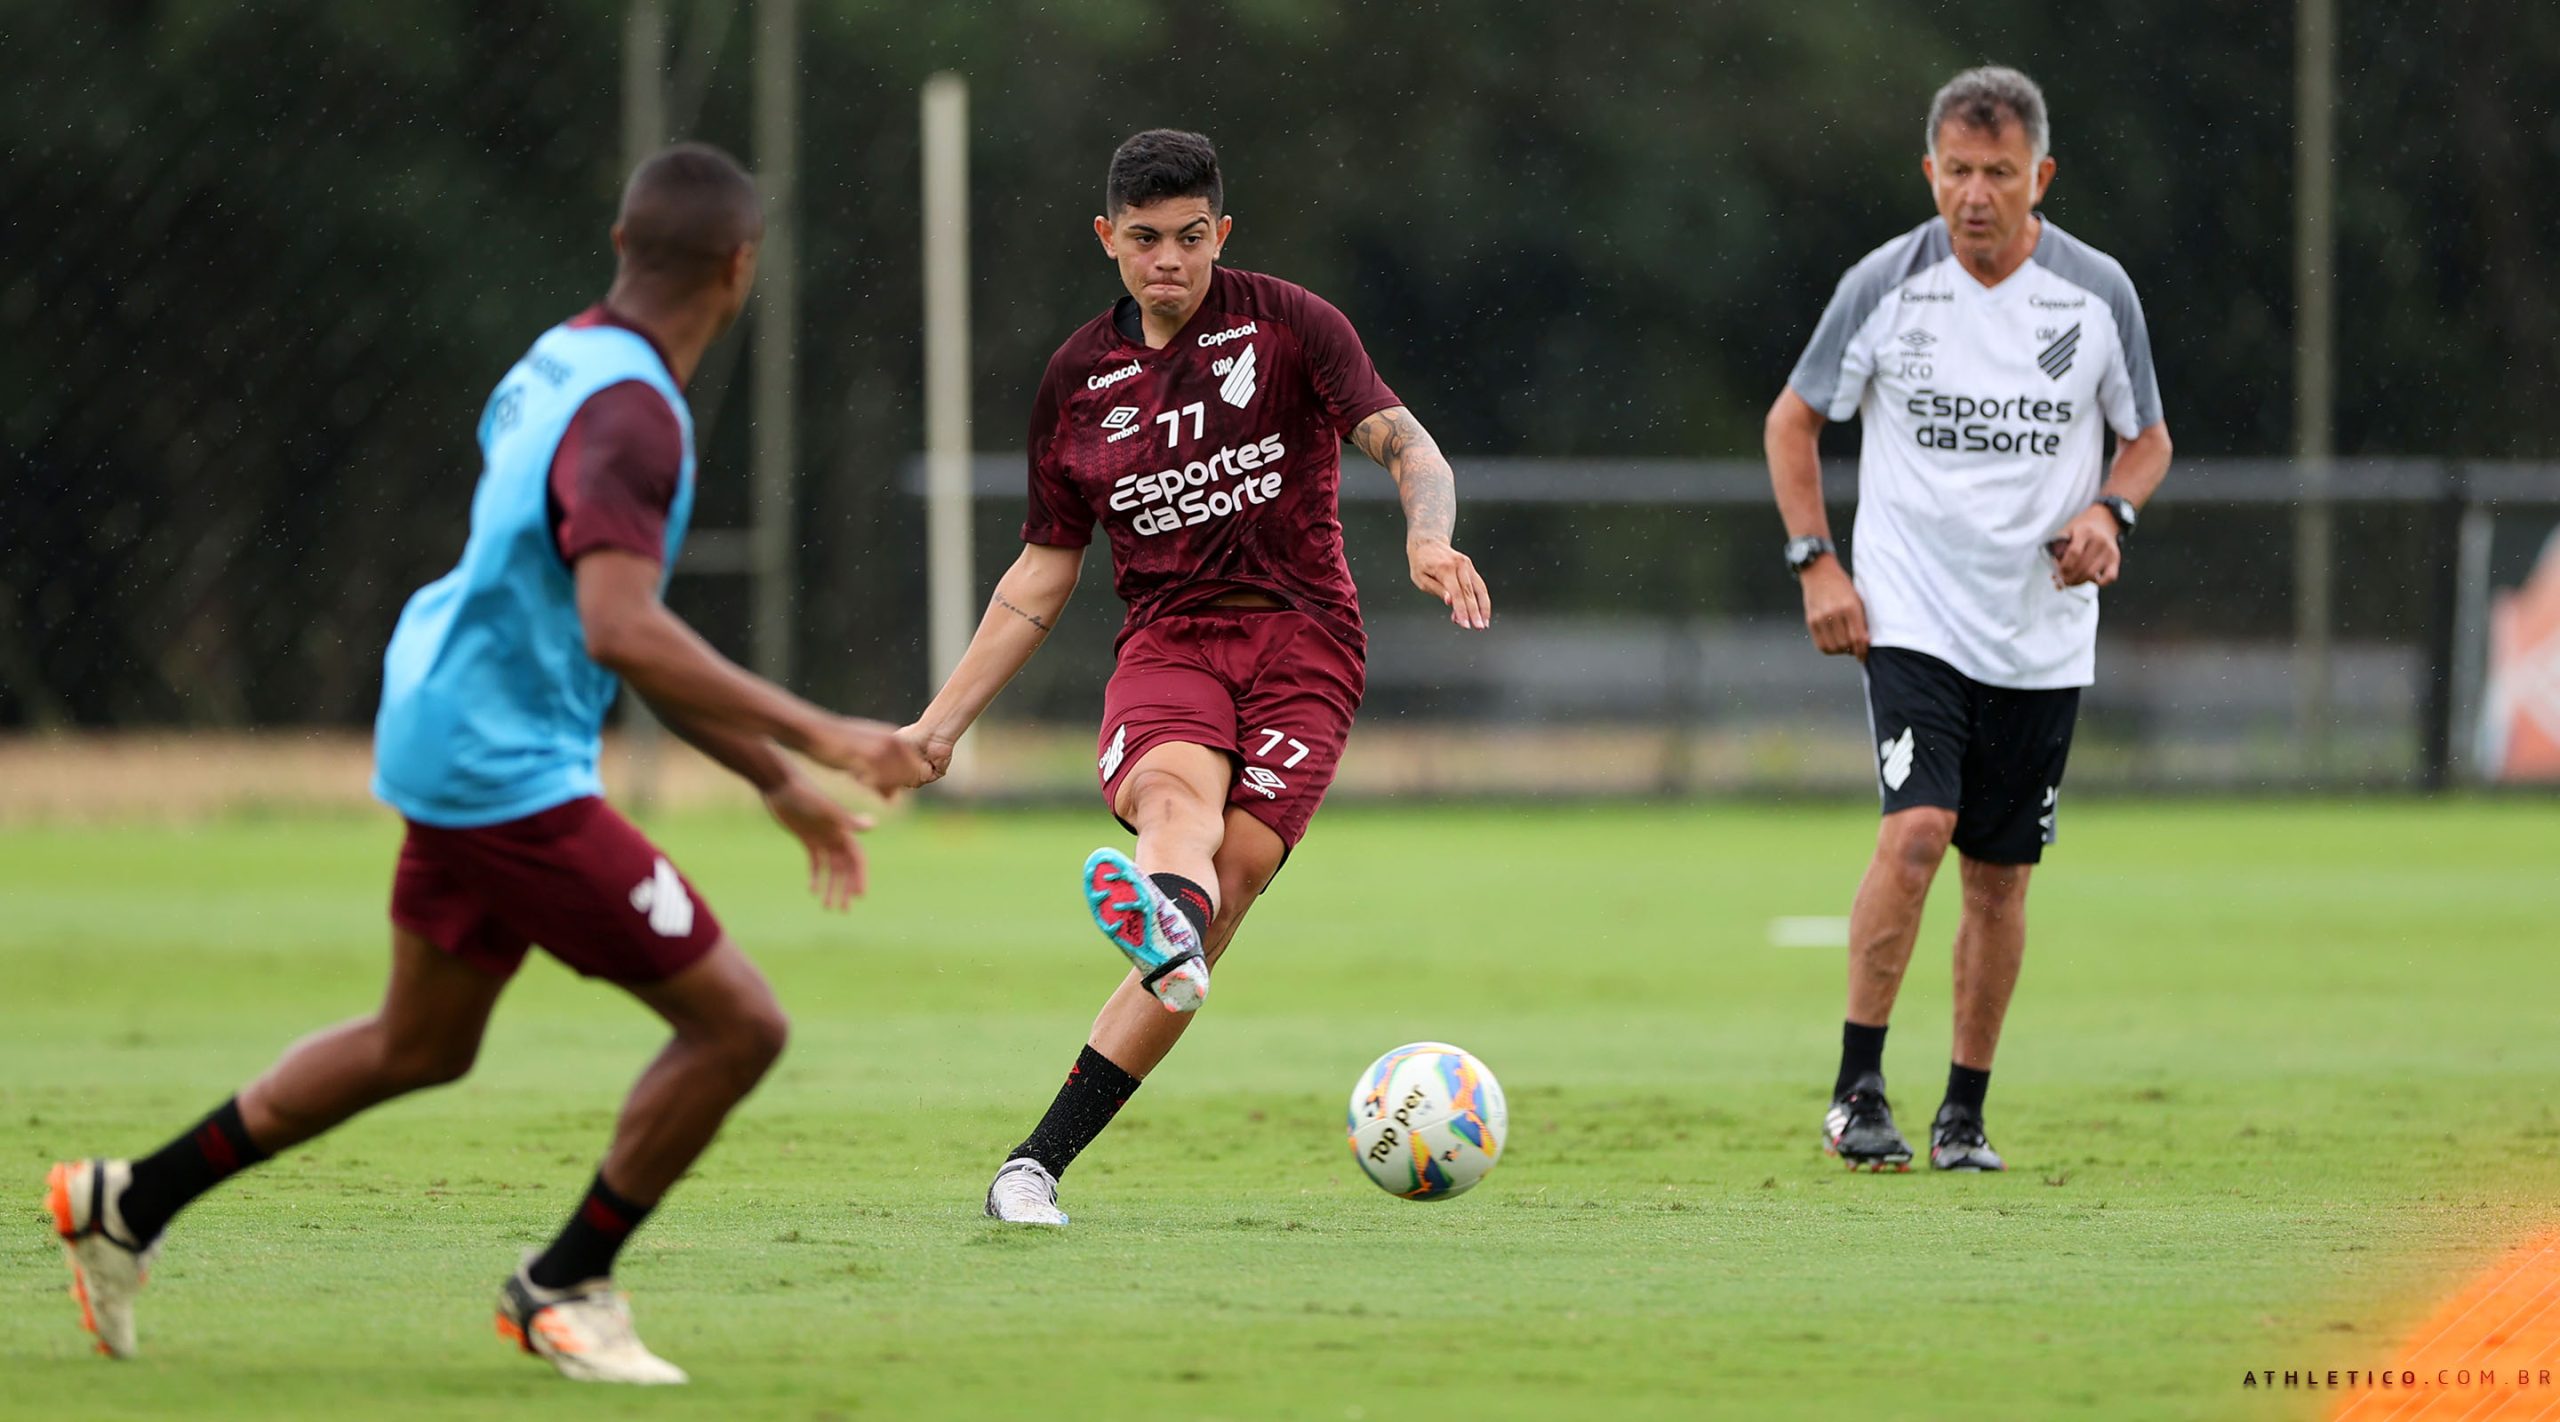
(1981, 409)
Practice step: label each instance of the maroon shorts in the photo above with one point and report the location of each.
(578, 878)
(1267, 685)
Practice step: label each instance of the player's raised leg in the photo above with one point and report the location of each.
(561, 1303)
(1884, 923)
(1156, 908)
(110, 1213)
(1991, 944)
(1131, 1036)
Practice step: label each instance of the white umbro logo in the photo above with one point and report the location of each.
(1894, 759)
(662, 897)
(1122, 421)
(1264, 779)
(1238, 388)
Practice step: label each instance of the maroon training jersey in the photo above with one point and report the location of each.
(1214, 464)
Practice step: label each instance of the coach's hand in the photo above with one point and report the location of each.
(870, 752)
(2090, 550)
(1833, 611)
(836, 873)
(933, 746)
(1451, 576)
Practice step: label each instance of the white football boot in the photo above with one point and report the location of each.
(1147, 929)
(108, 1265)
(584, 1331)
(1024, 1192)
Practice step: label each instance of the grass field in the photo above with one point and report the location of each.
(2279, 1078)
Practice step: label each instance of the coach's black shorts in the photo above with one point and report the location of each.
(1991, 754)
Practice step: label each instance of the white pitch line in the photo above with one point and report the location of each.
(1815, 932)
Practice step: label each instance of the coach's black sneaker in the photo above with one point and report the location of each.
(1956, 1141)
(1859, 1129)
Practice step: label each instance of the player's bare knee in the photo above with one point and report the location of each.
(417, 1063)
(1994, 890)
(1913, 843)
(1162, 800)
(756, 1039)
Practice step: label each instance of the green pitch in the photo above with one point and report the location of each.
(2279, 1076)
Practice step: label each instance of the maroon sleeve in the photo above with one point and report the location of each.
(613, 479)
(1344, 379)
(1058, 515)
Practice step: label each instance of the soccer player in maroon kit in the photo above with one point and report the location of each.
(1199, 422)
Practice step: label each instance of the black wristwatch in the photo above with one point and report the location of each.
(1802, 551)
(2122, 508)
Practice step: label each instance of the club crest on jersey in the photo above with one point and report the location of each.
(1238, 386)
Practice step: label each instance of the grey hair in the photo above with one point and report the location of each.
(1983, 99)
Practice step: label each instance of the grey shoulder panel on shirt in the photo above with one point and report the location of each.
(1816, 378)
(2104, 277)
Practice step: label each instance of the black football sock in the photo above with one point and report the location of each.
(1096, 1089)
(1965, 1087)
(212, 1151)
(1191, 899)
(1861, 1051)
(587, 1244)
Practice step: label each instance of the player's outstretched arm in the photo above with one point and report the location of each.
(1027, 602)
(1792, 439)
(631, 633)
(1429, 489)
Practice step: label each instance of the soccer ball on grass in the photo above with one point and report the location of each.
(1427, 1121)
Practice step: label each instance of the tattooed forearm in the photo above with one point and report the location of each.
(1412, 457)
(1031, 617)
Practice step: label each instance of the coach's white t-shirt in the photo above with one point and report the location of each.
(1981, 409)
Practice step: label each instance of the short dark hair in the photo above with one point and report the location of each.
(1163, 163)
(685, 211)
(1988, 99)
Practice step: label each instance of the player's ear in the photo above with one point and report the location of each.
(1929, 169)
(617, 239)
(1226, 224)
(1102, 234)
(2044, 176)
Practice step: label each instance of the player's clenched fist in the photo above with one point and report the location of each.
(1833, 612)
(2089, 550)
(1451, 576)
(933, 746)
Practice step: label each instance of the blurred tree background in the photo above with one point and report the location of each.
(264, 258)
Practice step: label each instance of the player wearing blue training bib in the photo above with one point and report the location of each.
(494, 695)
(1987, 355)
